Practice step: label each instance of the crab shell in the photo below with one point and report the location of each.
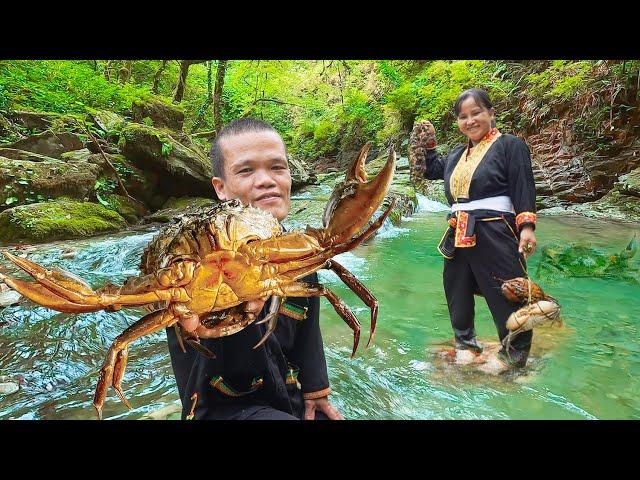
(517, 290)
(533, 315)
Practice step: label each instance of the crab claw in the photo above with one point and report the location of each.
(48, 297)
(354, 201)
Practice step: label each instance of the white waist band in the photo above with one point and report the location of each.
(501, 204)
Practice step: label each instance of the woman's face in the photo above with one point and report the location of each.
(474, 120)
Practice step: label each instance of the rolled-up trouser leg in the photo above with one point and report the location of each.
(496, 255)
(459, 285)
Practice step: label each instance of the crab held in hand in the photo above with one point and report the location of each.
(208, 263)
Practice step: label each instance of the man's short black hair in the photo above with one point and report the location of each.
(236, 127)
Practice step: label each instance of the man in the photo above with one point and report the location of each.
(286, 377)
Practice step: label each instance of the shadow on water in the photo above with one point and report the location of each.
(589, 368)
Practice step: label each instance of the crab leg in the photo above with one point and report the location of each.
(303, 289)
(42, 296)
(271, 317)
(359, 289)
(69, 292)
(114, 365)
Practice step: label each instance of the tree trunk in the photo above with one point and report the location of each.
(107, 73)
(217, 95)
(156, 77)
(182, 79)
(125, 72)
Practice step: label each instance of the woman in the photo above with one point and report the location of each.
(490, 187)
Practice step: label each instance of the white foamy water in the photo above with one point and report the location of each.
(425, 204)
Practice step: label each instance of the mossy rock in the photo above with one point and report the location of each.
(77, 155)
(124, 206)
(15, 154)
(158, 113)
(140, 184)
(109, 122)
(181, 203)
(25, 182)
(57, 220)
(183, 169)
(49, 143)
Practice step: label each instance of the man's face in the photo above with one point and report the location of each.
(256, 172)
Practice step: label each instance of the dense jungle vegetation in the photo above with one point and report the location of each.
(323, 108)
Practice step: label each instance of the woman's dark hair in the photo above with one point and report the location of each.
(480, 96)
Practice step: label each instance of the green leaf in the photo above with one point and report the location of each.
(23, 182)
(102, 201)
(10, 200)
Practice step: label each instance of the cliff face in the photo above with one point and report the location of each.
(569, 170)
(582, 144)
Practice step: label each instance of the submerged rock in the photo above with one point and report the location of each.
(7, 388)
(579, 260)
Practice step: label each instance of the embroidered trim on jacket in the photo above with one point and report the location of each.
(460, 181)
(525, 217)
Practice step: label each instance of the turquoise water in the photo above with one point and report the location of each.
(586, 369)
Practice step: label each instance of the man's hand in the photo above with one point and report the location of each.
(527, 242)
(192, 323)
(322, 404)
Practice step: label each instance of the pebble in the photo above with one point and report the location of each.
(69, 253)
(8, 386)
(9, 297)
(465, 357)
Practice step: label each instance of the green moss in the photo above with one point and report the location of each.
(138, 133)
(60, 219)
(125, 207)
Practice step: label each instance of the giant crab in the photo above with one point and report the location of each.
(208, 263)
